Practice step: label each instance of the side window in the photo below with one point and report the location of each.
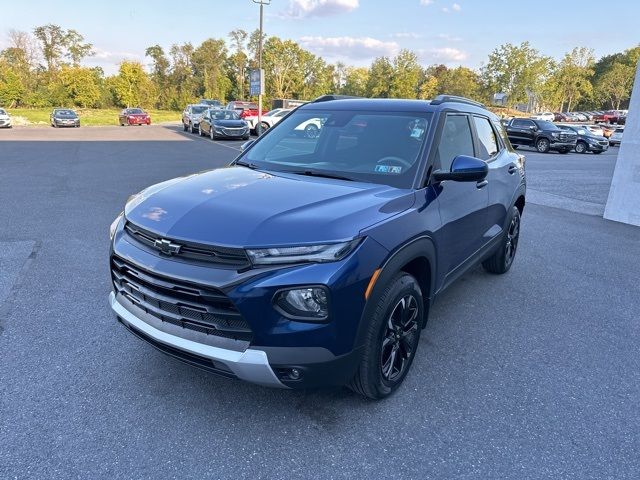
(456, 140)
(487, 138)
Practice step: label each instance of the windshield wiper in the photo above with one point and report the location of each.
(252, 166)
(316, 173)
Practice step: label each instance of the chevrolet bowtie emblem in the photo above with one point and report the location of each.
(166, 247)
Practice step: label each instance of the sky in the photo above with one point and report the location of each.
(453, 32)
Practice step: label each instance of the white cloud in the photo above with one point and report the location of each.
(320, 8)
(358, 48)
(109, 60)
(426, 2)
(410, 35)
(443, 55)
(456, 7)
(449, 38)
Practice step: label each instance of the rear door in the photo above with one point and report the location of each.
(520, 132)
(462, 205)
(503, 177)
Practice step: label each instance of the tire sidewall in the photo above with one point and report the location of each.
(541, 142)
(399, 286)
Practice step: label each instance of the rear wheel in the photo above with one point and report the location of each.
(185, 127)
(500, 262)
(581, 147)
(191, 128)
(542, 145)
(391, 339)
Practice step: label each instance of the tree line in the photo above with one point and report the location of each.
(45, 68)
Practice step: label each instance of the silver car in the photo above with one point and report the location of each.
(5, 119)
(191, 116)
(616, 137)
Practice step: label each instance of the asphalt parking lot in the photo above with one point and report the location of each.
(534, 374)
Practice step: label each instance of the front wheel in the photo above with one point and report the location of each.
(581, 147)
(185, 127)
(191, 128)
(211, 134)
(392, 338)
(500, 262)
(542, 145)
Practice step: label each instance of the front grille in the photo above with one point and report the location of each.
(603, 143)
(234, 131)
(195, 307)
(567, 137)
(223, 256)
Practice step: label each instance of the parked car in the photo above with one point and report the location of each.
(560, 117)
(541, 135)
(596, 130)
(211, 102)
(64, 117)
(313, 263)
(548, 116)
(269, 119)
(191, 116)
(607, 130)
(221, 123)
(5, 119)
(616, 137)
(245, 109)
(134, 116)
(587, 141)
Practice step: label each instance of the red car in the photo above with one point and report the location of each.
(134, 116)
(245, 109)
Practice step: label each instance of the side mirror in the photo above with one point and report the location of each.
(533, 128)
(464, 169)
(246, 145)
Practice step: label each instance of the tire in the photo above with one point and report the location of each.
(581, 147)
(246, 137)
(381, 371)
(199, 131)
(185, 127)
(543, 145)
(311, 131)
(264, 127)
(211, 134)
(502, 259)
(191, 129)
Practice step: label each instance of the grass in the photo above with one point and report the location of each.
(88, 116)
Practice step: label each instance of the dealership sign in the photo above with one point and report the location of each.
(256, 82)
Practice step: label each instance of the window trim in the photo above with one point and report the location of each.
(495, 136)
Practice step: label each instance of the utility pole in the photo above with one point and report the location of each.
(262, 3)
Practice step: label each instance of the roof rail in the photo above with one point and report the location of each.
(328, 98)
(453, 98)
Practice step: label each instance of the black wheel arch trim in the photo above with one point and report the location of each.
(420, 247)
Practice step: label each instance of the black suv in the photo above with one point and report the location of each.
(541, 135)
(314, 260)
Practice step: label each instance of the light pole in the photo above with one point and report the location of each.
(262, 3)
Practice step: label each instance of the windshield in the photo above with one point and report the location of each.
(65, 113)
(134, 110)
(375, 147)
(224, 115)
(544, 125)
(2, 112)
(199, 108)
(213, 103)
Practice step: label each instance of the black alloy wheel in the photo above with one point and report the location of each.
(398, 343)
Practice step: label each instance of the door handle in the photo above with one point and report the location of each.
(512, 169)
(482, 184)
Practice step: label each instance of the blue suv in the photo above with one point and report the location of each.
(313, 259)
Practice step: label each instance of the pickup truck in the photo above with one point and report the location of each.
(245, 109)
(542, 135)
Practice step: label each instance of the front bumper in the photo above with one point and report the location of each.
(251, 365)
(598, 147)
(562, 145)
(5, 123)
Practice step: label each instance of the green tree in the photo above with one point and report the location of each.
(517, 70)
(76, 49)
(209, 67)
(460, 81)
(159, 75)
(132, 85)
(81, 86)
(356, 81)
(615, 85)
(283, 64)
(572, 77)
(12, 90)
(406, 75)
(238, 61)
(53, 40)
(380, 75)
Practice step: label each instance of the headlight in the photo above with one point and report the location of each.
(310, 253)
(555, 134)
(310, 303)
(114, 225)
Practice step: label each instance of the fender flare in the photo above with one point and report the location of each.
(421, 247)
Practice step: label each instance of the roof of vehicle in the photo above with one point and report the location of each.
(395, 105)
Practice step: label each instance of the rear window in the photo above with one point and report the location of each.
(199, 108)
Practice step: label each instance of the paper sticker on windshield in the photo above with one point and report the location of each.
(388, 169)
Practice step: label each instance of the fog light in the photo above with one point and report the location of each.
(303, 303)
(295, 374)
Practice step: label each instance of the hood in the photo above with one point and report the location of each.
(230, 123)
(240, 207)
